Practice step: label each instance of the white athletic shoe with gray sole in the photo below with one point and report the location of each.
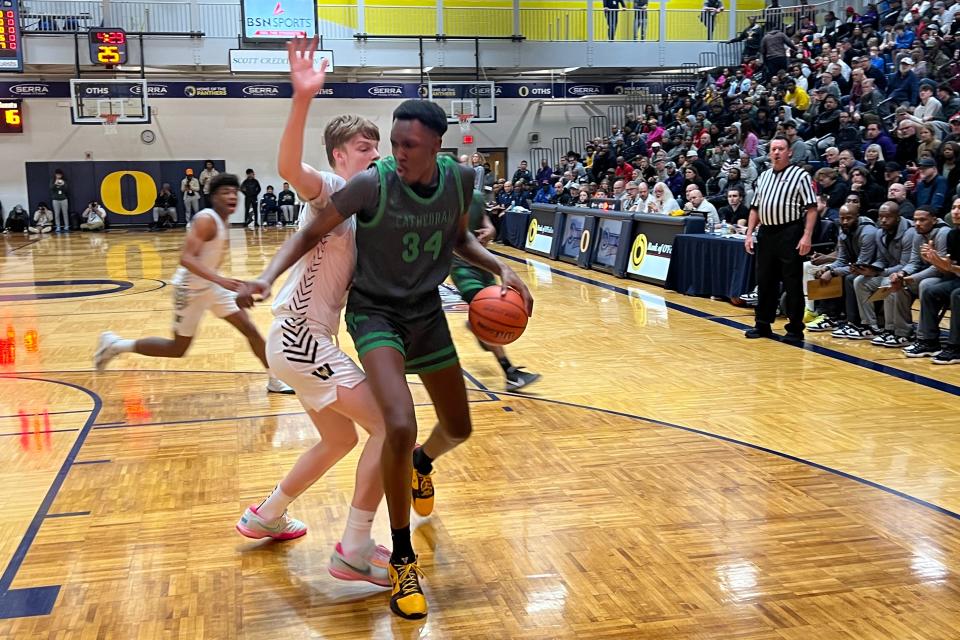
(106, 350)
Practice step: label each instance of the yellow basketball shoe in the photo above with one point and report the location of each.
(422, 488)
(407, 599)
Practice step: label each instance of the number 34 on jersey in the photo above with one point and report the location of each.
(412, 247)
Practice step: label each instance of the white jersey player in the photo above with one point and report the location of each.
(302, 348)
(198, 287)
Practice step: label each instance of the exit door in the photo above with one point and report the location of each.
(497, 157)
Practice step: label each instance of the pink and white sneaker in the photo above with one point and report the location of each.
(282, 528)
(368, 564)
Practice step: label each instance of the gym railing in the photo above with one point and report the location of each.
(655, 23)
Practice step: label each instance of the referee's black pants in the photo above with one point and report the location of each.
(250, 211)
(778, 261)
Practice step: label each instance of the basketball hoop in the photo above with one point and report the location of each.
(465, 120)
(111, 124)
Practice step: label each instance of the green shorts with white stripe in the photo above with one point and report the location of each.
(425, 343)
(470, 280)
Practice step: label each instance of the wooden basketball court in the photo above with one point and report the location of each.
(666, 479)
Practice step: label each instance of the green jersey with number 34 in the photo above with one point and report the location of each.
(405, 240)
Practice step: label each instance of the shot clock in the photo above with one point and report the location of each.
(11, 116)
(108, 47)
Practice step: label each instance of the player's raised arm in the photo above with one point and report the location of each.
(306, 82)
(304, 179)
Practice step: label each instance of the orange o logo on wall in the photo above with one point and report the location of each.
(112, 197)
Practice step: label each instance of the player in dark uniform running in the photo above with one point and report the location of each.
(411, 216)
(470, 280)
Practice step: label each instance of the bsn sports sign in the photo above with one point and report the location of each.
(278, 20)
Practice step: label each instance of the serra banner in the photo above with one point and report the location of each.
(266, 89)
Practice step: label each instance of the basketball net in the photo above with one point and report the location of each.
(111, 124)
(465, 120)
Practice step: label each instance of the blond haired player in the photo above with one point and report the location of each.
(302, 351)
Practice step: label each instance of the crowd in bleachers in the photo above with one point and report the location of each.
(868, 102)
(868, 95)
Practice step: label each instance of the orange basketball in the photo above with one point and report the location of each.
(496, 319)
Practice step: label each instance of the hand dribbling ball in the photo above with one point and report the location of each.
(497, 319)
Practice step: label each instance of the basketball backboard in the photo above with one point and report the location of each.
(477, 98)
(92, 101)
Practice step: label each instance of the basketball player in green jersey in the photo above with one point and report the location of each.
(411, 216)
(469, 281)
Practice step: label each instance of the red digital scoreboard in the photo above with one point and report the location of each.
(11, 44)
(11, 116)
(108, 47)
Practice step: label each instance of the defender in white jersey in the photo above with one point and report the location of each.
(302, 348)
(198, 287)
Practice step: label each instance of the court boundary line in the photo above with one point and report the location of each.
(48, 594)
(482, 387)
(171, 423)
(120, 287)
(49, 413)
(89, 313)
(25, 244)
(749, 445)
(893, 372)
(107, 296)
(43, 511)
(94, 371)
(30, 433)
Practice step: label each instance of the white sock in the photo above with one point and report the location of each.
(356, 535)
(124, 346)
(810, 306)
(274, 506)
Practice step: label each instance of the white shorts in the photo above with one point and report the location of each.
(310, 362)
(190, 305)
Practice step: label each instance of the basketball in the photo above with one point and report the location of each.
(496, 319)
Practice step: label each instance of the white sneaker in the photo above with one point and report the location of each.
(893, 341)
(839, 332)
(283, 528)
(106, 350)
(368, 564)
(822, 323)
(880, 340)
(859, 333)
(276, 385)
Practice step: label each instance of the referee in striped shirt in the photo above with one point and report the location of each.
(785, 208)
